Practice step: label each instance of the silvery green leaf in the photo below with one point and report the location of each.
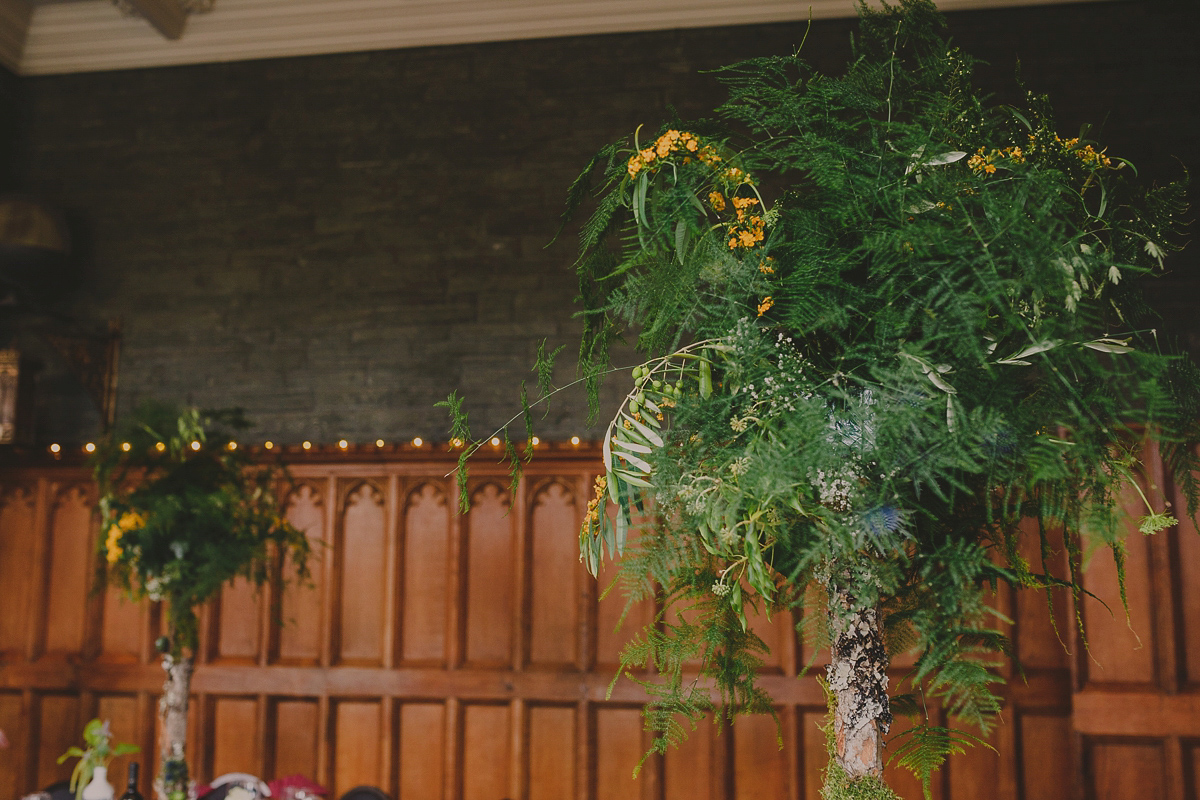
(949, 157)
(632, 479)
(634, 446)
(635, 461)
(1114, 274)
(1040, 347)
(937, 381)
(1109, 345)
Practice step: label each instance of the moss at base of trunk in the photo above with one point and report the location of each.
(840, 786)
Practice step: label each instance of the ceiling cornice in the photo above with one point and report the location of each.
(90, 35)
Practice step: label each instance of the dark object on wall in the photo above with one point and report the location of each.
(35, 250)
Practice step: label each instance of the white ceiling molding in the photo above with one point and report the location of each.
(90, 35)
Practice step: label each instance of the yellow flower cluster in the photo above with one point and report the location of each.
(593, 508)
(1086, 154)
(666, 144)
(748, 230)
(717, 201)
(765, 305)
(674, 141)
(983, 162)
(129, 521)
(767, 267)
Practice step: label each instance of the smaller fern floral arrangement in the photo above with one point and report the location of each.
(183, 511)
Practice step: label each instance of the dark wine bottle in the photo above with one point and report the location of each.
(131, 790)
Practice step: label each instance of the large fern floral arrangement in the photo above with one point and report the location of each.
(884, 323)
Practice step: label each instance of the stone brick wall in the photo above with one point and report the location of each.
(337, 242)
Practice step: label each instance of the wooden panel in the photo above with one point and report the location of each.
(556, 577)
(491, 573)
(1188, 564)
(422, 750)
(70, 563)
(778, 633)
(17, 576)
(296, 724)
(122, 713)
(1126, 770)
(426, 568)
(616, 620)
(980, 773)
(239, 631)
(363, 576)
(124, 624)
(484, 729)
(235, 736)
(759, 764)
(813, 753)
(619, 746)
(485, 752)
(15, 726)
(1120, 651)
(1039, 643)
(59, 726)
(357, 730)
(1191, 755)
(1146, 713)
(552, 750)
(689, 771)
(300, 636)
(1046, 762)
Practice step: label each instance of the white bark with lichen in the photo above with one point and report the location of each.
(857, 677)
(173, 716)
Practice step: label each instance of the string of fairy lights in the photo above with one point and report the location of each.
(416, 443)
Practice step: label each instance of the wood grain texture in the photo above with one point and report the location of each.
(69, 570)
(426, 570)
(1126, 770)
(556, 580)
(18, 545)
(362, 580)
(299, 635)
(358, 728)
(491, 600)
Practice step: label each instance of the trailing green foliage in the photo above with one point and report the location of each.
(884, 323)
(183, 511)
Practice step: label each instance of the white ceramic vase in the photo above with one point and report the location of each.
(99, 788)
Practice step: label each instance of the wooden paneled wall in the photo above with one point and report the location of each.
(447, 656)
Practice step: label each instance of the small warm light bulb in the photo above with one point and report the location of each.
(54, 448)
(160, 446)
(342, 443)
(90, 447)
(536, 441)
(418, 441)
(232, 445)
(126, 446)
(495, 441)
(379, 443)
(307, 445)
(456, 442)
(268, 445)
(575, 440)
(195, 445)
